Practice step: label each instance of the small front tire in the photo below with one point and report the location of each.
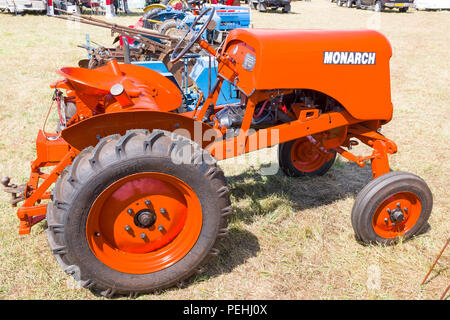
(395, 205)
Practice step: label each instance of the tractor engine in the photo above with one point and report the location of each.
(280, 109)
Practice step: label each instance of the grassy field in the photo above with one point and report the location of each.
(289, 239)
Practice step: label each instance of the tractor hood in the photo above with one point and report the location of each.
(352, 66)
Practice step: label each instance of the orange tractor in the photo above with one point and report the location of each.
(139, 203)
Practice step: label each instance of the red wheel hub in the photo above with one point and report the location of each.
(306, 157)
(144, 223)
(396, 215)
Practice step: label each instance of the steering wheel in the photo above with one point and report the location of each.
(175, 56)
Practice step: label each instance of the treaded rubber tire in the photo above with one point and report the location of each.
(113, 158)
(378, 7)
(261, 7)
(149, 15)
(166, 25)
(284, 160)
(376, 191)
(286, 8)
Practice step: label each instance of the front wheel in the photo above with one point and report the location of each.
(131, 215)
(397, 204)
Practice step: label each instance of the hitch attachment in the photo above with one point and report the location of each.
(17, 191)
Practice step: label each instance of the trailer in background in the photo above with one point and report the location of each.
(432, 4)
(22, 6)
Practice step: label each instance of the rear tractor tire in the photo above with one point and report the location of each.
(395, 205)
(130, 217)
(152, 15)
(286, 8)
(300, 158)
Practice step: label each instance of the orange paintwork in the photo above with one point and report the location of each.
(172, 236)
(50, 151)
(307, 156)
(294, 59)
(119, 97)
(411, 206)
(148, 89)
(87, 132)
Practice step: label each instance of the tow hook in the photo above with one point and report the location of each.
(17, 191)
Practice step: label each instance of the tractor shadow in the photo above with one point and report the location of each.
(239, 246)
(343, 180)
(263, 194)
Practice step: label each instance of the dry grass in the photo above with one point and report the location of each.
(290, 239)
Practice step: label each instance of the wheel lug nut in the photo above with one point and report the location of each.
(398, 204)
(388, 210)
(130, 211)
(163, 211)
(97, 234)
(160, 228)
(405, 209)
(148, 203)
(127, 228)
(143, 236)
(386, 220)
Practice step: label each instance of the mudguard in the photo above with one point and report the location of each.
(88, 132)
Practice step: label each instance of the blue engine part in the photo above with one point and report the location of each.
(226, 17)
(200, 75)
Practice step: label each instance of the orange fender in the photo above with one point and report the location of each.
(88, 132)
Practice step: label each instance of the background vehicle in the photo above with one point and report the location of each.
(380, 5)
(348, 3)
(170, 21)
(432, 4)
(264, 5)
(22, 6)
